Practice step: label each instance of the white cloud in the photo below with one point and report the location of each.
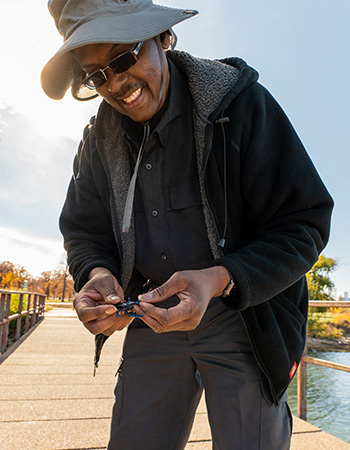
(35, 252)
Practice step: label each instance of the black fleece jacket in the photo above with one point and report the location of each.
(275, 219)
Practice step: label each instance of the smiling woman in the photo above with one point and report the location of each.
(137, 90)
(283, 38)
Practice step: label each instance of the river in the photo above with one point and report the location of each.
(328, 395)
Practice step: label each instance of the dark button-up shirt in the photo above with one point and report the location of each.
(169, 221)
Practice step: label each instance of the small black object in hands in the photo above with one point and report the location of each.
(128, 308)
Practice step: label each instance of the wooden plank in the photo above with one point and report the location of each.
(325, 363)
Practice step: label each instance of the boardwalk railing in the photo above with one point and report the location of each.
(306, 359)
(30, 304)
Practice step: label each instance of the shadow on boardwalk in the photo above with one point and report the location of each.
(50, 401)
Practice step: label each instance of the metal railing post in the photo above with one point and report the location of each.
(19, 318)
(302, 388)
(5, 328)
(28, 313)
(33, 314)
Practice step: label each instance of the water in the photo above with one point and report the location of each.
(328, 395)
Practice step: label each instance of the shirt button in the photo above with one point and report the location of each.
(148, 166)
(163, 257)
(154, 213)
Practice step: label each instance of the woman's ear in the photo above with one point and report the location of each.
(165, 40)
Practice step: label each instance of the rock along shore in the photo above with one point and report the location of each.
(329, 345)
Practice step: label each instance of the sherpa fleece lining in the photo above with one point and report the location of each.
(216, 80)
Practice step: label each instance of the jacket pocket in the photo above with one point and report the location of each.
(292, 309)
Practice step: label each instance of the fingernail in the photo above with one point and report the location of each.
(147, 296)
(110, 310)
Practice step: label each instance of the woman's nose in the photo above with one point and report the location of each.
(115, 80)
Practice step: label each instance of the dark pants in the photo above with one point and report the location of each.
(161, 379)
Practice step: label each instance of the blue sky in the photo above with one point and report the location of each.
(299, 47)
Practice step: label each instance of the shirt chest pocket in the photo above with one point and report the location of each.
(183, 195)
(186, 225)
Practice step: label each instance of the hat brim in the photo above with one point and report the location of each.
(57, 75)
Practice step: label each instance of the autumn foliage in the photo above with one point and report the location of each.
(52, 283)
(320, 283)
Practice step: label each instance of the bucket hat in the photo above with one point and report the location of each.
(100, 21)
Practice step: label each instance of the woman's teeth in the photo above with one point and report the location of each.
(133, 96)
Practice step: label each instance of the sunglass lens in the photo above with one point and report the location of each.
(122, 63)
(118, 65)
(95, 80)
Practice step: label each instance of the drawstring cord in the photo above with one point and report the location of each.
(131, 190)
(222, 121)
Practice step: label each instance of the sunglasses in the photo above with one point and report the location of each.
(120, 64)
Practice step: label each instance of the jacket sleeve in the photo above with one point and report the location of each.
(85, 220)
(285, 206)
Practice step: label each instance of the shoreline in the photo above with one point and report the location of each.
(329, 345)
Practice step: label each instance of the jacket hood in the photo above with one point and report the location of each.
(221, 80)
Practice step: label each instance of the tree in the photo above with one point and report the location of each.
(12, 276)
(319, 280)
(53, 283)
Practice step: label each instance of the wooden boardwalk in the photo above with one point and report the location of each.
(50, 401)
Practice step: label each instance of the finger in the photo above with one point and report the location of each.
(90, 313)
(179, 313)
(166, 290)
(157, 327)
(101, 325)
(109, 288)
(113, 295)
(152, 323)
(119, 325)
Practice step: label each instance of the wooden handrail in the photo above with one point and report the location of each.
(307, 359)
(330, 304)
(33, 312)
(325, 363)
(8, 291)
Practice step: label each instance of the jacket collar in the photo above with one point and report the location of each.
(213, 85)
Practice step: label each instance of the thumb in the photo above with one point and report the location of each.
(113, 293)
(166, 290)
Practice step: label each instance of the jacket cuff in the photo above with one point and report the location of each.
(239, 297)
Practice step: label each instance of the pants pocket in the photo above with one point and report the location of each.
(275, 425)
(118, 394)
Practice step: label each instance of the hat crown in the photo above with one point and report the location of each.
(84, 22)
(70, 14)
